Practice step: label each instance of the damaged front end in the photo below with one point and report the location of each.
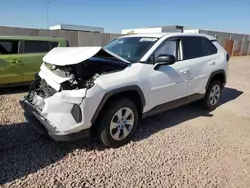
(56, 96)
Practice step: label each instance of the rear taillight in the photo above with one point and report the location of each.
(228, 57)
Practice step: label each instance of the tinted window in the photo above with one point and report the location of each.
(67, 43)
(8, 47)
(193, 47)
(53, 45)
(210, 47)
(36, 46)
(167, 48)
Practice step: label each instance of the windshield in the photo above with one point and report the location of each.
(131, 48)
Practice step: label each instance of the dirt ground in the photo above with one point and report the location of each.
(185, 147)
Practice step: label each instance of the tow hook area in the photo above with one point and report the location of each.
(43, 127)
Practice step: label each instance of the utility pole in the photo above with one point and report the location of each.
(47, 13)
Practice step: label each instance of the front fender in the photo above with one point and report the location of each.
(117, 91)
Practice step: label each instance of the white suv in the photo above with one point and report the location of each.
(105, 91)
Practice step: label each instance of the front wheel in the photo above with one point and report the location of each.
(213, 95)
(118, 123)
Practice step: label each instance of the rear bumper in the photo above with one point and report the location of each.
(42, 126)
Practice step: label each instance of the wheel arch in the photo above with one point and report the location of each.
(133, 92)
(217, 75)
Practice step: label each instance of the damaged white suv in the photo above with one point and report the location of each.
(105, 91)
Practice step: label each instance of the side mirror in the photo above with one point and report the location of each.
(164, 60)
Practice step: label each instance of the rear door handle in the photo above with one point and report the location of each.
(211, 63)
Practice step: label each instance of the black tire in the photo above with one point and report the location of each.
(206, 101)
(103, 129)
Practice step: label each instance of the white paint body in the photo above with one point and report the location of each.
(73, 55)
(168, 83)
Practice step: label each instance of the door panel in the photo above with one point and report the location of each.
(10, 69)
(10, 62)
(33, 52)
(198, 73)
(31, 65)
(199, 61)
(169, 82)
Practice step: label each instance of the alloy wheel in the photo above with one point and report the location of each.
(122, 123)
(214, 95)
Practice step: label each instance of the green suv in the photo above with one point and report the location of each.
(21, 57)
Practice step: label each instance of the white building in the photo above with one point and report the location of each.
(159, 29)
(68, 27)
(176, 28)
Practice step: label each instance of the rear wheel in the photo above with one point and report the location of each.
(213, 95)
(118, 123)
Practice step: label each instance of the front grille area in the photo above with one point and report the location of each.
(40, 88)
(44, 90)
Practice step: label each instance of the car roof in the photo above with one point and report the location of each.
(155, 35)
(160, 35)
(30, 38)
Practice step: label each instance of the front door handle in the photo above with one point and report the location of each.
(185, 71)
(211, 63)
(14, 61)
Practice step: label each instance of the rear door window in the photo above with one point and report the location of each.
(36, 46)
(9, 47)
(193, 47)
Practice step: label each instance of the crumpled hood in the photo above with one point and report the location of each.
(73, 55)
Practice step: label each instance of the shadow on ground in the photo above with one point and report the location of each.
(23, 151)
(14, 90)
(230, 94)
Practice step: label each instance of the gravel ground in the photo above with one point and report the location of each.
(185, 147)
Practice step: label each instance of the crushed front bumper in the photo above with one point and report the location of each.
(43, 127)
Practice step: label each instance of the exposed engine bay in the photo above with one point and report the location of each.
(79, 76)
(84, 74)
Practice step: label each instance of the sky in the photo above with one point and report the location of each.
(115, 15)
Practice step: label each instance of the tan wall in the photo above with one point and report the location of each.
(245, 46)
(235, 44)
(75, 38)
(93, 39)
(237, 48)
(229, 46)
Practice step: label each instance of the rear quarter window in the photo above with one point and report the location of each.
(210, 47)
